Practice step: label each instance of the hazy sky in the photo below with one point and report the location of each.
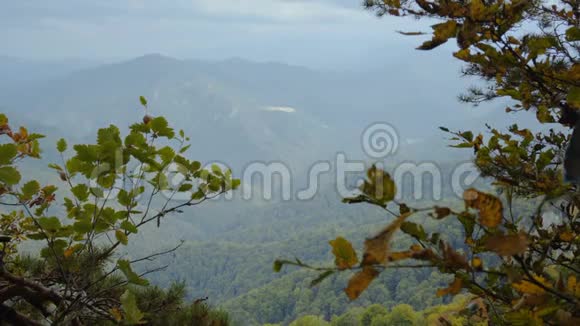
(325, 33)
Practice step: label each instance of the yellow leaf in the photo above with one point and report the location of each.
(72, 249)
(566, 236)
(490, 207)
(121, 237)
(477, 263)
(573, 286)
(452, 289)
(68, 252)
(344, 254)
(476, 9)
(572, 282)
(416, 247)
(116, 313)
(445, 30)
(528, 287)
(360, 281)
(396, 256)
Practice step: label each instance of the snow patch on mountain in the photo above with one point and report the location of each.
(285, 109)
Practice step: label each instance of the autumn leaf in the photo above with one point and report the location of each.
(68, 252)
(573, 286)
(452, 258)
(529, 287)
(411, 33)
(477, 263)
(360, 281)
(414, 252)
(490, 207)
(376, 248)
(441, 212)
(566, 236)
(400, 255)
(452, 289)
(508, 245)
(344, 254)
(379, 186)
(117, 314)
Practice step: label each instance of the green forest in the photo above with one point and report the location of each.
(152, 217)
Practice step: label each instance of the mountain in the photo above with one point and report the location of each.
(240, 112)
(17, 72)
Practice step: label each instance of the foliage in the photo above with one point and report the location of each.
(113, 189)
(462, 311)
(524, 267)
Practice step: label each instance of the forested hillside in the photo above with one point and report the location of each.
(427, 183)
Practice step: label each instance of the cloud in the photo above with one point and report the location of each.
(284, 11)
(270, 10)
(304, 32)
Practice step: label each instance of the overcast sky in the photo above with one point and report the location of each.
(317, 33)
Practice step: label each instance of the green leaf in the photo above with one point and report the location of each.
(344, 254)
(135, 139)
(123, 198)
(278, 264)
(195, 166)
(468, 135)
(216, 169)
(126, 225)
(143, 101)
(468, 222)
(573, 34)
(81, 192)
(133, 315)
(61, 145)
(49, 224)
(125, 267)
(166, 154)
(121, 237)
(87, 153)
(7, 153)
(57, 247)
(109, 137)
(83, 226)
(160, 126)
(9, 175)
(29, 189)
(574, 97)
(236, 183)
(55, 167)
(414, 230)
(185, 187)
